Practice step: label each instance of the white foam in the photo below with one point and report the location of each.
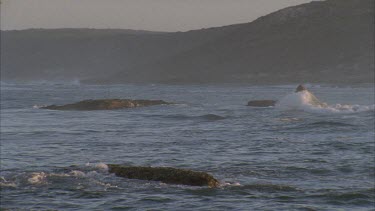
(306, 101)
(106, 185)
(37, 106)
(58, 175)
(5, 183)
(76, 173)
(9, 184)
(37, 178)
(234, 184)
(102, 166)
(92, 174)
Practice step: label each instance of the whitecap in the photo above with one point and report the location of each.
(37, 178)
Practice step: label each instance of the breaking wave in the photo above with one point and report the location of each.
(306, 101)
(91, 174)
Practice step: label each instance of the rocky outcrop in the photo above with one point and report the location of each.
(262, 103)
(106, 104)
(165, 174)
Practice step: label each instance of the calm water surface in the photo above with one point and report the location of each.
(291, 157)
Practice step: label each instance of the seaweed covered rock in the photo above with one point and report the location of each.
(262, 103)
(165, 174)
(106, 104)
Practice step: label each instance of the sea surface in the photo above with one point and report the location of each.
(294, 156)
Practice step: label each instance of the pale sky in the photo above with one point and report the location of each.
(154, 15)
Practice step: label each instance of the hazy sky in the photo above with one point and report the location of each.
(156, 15)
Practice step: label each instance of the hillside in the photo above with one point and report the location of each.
(324, 41)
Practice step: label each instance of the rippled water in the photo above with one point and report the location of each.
(293, 157)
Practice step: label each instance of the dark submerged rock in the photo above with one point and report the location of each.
(262, 103)
(106, 104)
(165, 174)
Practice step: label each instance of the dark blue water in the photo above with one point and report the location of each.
(290, 157)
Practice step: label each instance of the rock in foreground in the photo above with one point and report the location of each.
(106, 104)
(164, 174)
(262, 103)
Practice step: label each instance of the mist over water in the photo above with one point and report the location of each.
(298, 155)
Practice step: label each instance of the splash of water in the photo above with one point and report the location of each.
(306, 101)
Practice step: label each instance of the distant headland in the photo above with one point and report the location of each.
(319, 42)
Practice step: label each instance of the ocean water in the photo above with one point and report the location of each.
(297, 155)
